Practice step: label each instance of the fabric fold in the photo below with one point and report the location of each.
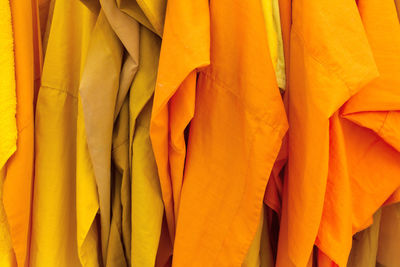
(64, 202)
(17, 199)
(330, 60)
(363, 172)
(145, 188)
(235, 135)
(183, 53)
(98, 92)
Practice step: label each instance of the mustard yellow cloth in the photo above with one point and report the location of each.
(120, 231)
(107, 125)
(143, 184)
(8, 127)
(365, 245)
(65, 197)
(389, 236)
(150, 13)
(147, 205)
(101, 70)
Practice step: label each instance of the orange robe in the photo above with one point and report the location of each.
(343, 161)
(17, 191)
(185, 48)
(235, 135)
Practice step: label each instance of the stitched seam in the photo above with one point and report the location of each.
(222, 84)
(25, 126)
(383, 123)
(316, 59)
(60, 90)
(118, 146)
(153, 19)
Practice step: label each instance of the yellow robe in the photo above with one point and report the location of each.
(8, 132)
(143, 184)
(64, 203)
(102, 70)
(7, 89)
(114, 29)
(147, 205)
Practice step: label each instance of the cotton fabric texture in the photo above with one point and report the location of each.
(317, 205)
(64, 207)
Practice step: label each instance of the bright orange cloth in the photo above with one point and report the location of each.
(185, 48)
(273, 192)
(17, 191)
(235, 135)
(371, 160)
(340, 172)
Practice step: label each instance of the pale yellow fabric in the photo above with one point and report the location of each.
(8, 126)
(65, 200)
(147, 205)
(275, 42)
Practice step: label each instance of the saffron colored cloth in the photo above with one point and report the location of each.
(174, 96)
(316, 33)
(327, 203)
(17, 187)
(235, 133)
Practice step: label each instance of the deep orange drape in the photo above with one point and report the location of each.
(364, 170)
(321, 79)
(342, 159)
(234, 138)
(185, 48)
(17, 191)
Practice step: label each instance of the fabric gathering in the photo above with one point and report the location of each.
(176, 133)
